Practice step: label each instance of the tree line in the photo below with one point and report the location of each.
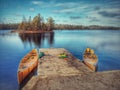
(36, 24)
(4, 26)
(81, 27)
(59, 27)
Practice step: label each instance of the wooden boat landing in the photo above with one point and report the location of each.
(50, 64)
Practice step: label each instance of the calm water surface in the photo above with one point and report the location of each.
(14, 46)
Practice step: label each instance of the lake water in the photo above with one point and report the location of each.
(13, 47)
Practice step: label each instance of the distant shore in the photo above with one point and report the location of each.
(30, 31)
(65, 27)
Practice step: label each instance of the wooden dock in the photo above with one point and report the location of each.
(51, 64)
(56, 73)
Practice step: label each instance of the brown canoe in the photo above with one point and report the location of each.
(90, 59)
(27, 64)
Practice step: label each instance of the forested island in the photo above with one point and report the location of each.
(38, 24)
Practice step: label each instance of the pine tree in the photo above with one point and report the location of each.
(50, 23)
(23, 24)
(36, 23)
(29, 27)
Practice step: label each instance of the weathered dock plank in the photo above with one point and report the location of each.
(51, 64)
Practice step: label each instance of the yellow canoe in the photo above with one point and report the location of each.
(27, 64)
(90, 59)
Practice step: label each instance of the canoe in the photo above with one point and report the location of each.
(90, 59)
(27, 64)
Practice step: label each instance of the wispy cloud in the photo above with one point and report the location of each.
(71, 7)
(75, 17)
(32, 9)
(18, 15)
(94, 19)
(101, 12)
(68, 10)
(67, 4)
(109, 14)
(37, 2)
(44, 4)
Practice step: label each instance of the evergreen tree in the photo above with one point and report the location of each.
(36, 23)
(44, 27)
(29, 27)
(50, 23)
(23, 24)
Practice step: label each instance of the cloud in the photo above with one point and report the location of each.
(97, 8)
(63, 7)
(40, 4)
(93, 19)
(37, 2)
(18, 15)
(70, 10)
(67, 4)
(44, 4)
(76, 9)
(101, 13)
(80, 7)
(109, 14)
(114, 3)
(75, 17)
(52, 3)
(32, 9)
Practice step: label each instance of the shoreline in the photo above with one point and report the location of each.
(30, 31)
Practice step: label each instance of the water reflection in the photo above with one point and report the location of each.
(37, 39)
(105, 43)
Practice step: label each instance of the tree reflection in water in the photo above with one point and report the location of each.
(37, 39)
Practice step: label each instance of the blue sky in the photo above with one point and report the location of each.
(77, 12)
